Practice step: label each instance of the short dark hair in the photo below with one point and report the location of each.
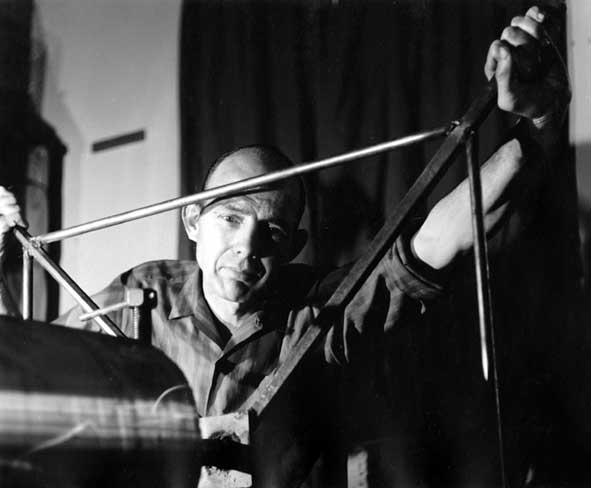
(268, 154)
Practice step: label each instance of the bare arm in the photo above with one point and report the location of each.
(447, 231)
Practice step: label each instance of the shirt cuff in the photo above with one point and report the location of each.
(414, 277)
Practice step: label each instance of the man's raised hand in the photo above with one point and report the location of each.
(10, 215)
(513, 61)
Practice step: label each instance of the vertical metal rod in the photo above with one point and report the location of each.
(64, 280)
(483, 292)
(480, 252)
(27, 286)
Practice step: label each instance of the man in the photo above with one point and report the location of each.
(230, 318)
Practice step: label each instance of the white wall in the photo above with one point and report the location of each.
(579, 56)
(112, 68)
(579, 36)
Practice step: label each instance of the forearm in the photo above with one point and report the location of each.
(513, 169)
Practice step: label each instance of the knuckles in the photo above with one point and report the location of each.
(528, 25)
(515, 36)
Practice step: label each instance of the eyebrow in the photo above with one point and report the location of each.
(235, 206)
(240, 207)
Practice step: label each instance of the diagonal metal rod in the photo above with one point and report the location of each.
(37, 252)
(483, 292)
(377, 249)
(239, 186)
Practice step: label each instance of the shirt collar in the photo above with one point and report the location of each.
(188, 297)
(188, 301)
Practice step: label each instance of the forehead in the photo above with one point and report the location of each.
(267, 205)
(245, 163)
(277, 202)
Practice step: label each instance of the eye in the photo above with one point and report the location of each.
(231, 218)
(277, 234)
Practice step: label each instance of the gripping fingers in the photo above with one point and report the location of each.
(522, 37)
(11, 216)
(530, 26)
(517, 36)
(10, 212)
(536, 13)
(498, 60)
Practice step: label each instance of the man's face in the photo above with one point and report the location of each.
(242, 240)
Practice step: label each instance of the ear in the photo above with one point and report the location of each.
(190, 215)
(299, 241)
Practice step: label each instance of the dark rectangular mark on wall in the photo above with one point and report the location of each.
(112, 142)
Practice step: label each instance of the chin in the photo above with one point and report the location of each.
(238, 293)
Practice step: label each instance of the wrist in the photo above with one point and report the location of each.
(540, 136)
(551, 115)
(543, 121)
(549, 121)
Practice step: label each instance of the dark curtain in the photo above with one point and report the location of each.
(318, 78)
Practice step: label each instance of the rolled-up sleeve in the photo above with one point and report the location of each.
(412, 276)
(397, 291)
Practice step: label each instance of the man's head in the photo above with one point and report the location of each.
(242, 240)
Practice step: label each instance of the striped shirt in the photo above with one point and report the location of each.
(223, 367)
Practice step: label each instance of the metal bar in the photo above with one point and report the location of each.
(377, 249)
(27, 286)
(238, 187)
(480, 252)
(103, 311)
(483, 292)
(37, 252)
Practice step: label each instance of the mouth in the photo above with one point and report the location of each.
(246, 277)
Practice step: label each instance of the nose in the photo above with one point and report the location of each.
(248, 241)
